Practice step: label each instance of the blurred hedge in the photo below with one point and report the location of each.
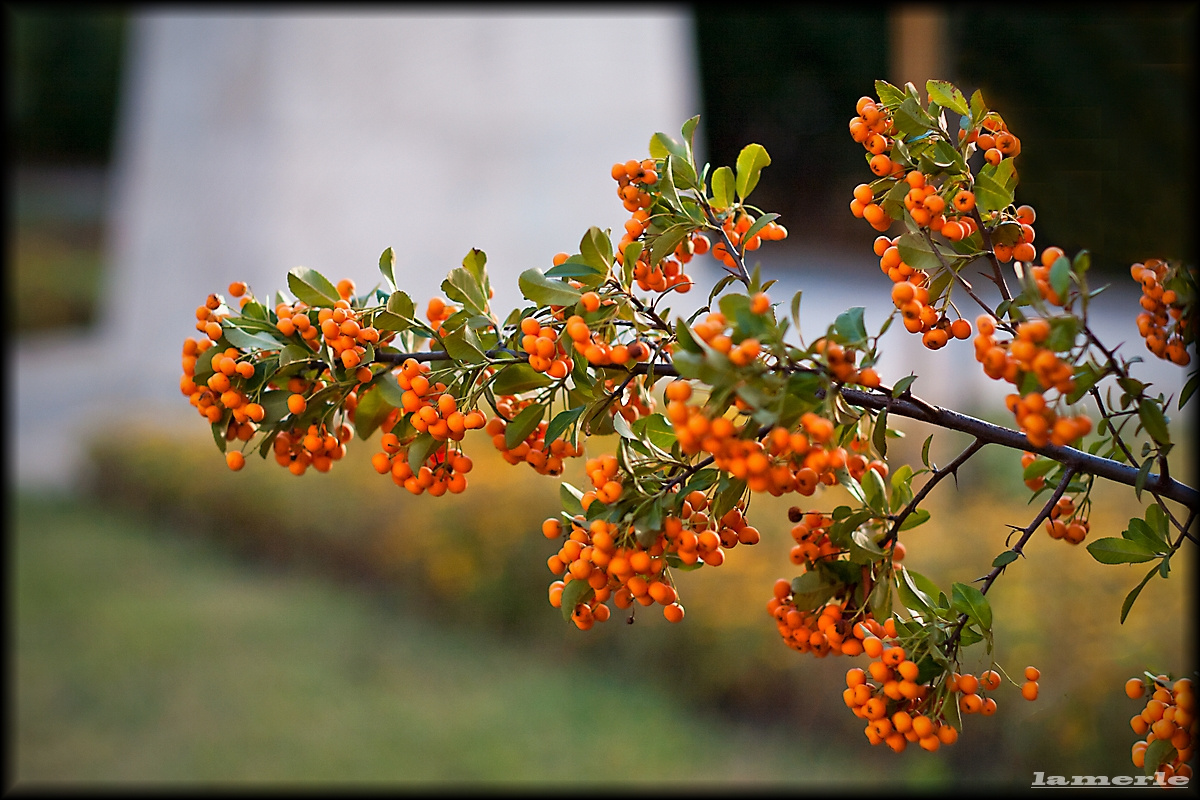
(477, 560)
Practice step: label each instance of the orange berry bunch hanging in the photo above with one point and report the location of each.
(1065, 523)
(545, 458)
(890, 696)
(1167, 722)
(1168, 296)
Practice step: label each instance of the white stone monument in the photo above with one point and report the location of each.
(254, 142)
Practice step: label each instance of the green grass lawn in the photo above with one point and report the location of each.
(143, 656)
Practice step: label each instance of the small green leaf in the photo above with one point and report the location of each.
(888, 95)
(387, 267)
(966, 599)
(463, 346)
(1005, 558)
(875, 491)
(596, 249)
(523, 424)
(722, 188)
(850, 327)
(1141, 532)
(758, 225)
(574, 593)
(662, 145)
(916, 518)
(749, 164)
(421, 448)
(372, 410)
(925, 450)
(543, 291)
(1156, 518)
(917, 252)
(666, 242)
(572, 499)
(249, 341)
(1112, 550)
(879, 434)
(1153, 421)
(1060, 276)
(400, 304)
(518, 378)
(562, 420)
(1158, 753)
(1133, 594)
(312, 287)
(1037, 468)
(901, 386)
(947, 95)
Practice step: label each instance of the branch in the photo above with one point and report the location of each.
(921, 411)
(949, 469)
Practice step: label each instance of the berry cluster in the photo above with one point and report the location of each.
(614, 564)
(1164, 321)
(1168, 717)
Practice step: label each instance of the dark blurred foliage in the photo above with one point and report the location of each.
(1099, 96)
(63, 66)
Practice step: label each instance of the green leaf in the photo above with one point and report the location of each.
(1153, 421)
(729, 492)
(723, 187)
(562, 420)
(875, 491)
(1158, 753)
(966, 599)
(880, 601)
(888, 95)
(391, 391)
(1112, 550)
(850, 327)
(925, 450)
(400, 304)
(463, 287)
(596, 249)
(249, 341)
(463, 346)
(1005, 558)
(918, 517)
(917, 252)
(879, 434)
(387, 267)
(912, 596)
(1141, 532)
(666, 242)
(758, 225)
(812, 590)
(372, 410)
(218, 432)
(662, 145)
(1189, 388)
(523, 424)
(543, 291)
(852, 486)
(655, 429)
(312, 287)
(421, 448)
(749, 164)
(1060, 276)
(572, 499)
(1156, 518)
(575, 267)
(475, 262)
(991, 192)
(1133, 594)
(1037, 468)
(901, 386)
(574, 593)
(948, 96)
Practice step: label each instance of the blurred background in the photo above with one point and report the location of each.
(175, 623)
